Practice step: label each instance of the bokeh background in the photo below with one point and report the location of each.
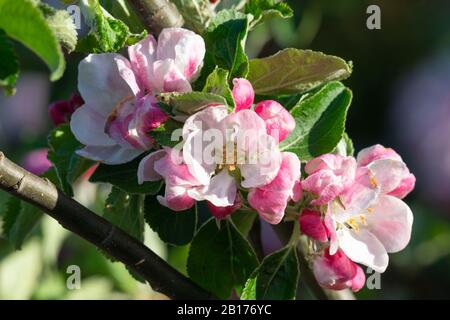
(401, 99)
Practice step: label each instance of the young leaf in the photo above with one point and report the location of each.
(320, 122)
(124, 177)
(19, 220)
(165, 135)
(126, 211)
(69, 166)
(220, 259)
(9, 66)
(62, 26)
(196, 13)
(191, 102)
(266, 9)
(275, 279)
(24, 22)
(107, 34)
(345, 146)
(293, 71)
(225, 41)
(217, 83)
(176, 228)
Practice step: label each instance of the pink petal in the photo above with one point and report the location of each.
(279, 122)
(115, 154)
(376, 152)
(176, 198)
(334, 271)
(312, 225)
(167, 78)
(271, 200)
(146, 171)
(88, 126)
(104, 80)
(142, 56)
(363, 247)
(223, 212)
(359, 280)
(185, 48)
(388, 174)
(391, 222)
(221, 190)
(330, 175)
(405, 187)
(243, 94)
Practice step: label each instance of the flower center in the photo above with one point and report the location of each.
(354, 223)
(115, 113)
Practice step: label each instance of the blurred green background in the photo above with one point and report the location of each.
(401, 89)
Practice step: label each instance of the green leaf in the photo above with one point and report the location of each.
(9, 66)
(126, 211)
(276, 278)
(176, 228)
(19, 220)
(69, 166)
(225, 41)
(217, 83)
(107, 33)
(164, 135)
(320, 122)
(124, 177)
(220, 259)
(293, 71)
(266, 9)
(23, 21)
(62, 26)
(191, 102)
(196, 13)
(243, 220)
(345, 146)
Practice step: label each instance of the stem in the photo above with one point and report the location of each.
(157, 14)
(95, 229)
(284, 231)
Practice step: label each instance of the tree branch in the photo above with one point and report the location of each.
(95, 229)
(283, 231)
(157, 14)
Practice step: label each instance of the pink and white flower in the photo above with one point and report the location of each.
(386, 162)
(336, 271)
(119, 107)
(329, 176)
(226, 151)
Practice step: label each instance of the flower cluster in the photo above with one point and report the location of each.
(356, 215)
(120, 106)
(351, 209)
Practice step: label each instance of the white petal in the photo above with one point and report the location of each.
(185, 47)
(221, 191)
(363, 247)
(109, 154)
(391, 222)
(101, 81)
(146, 170)
(388, 173)
(88, 127)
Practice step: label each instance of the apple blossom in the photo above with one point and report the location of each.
(329, 176)
(119, 110)
(337, 271)
(373, 155)
(225, 152)
(362, 217)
